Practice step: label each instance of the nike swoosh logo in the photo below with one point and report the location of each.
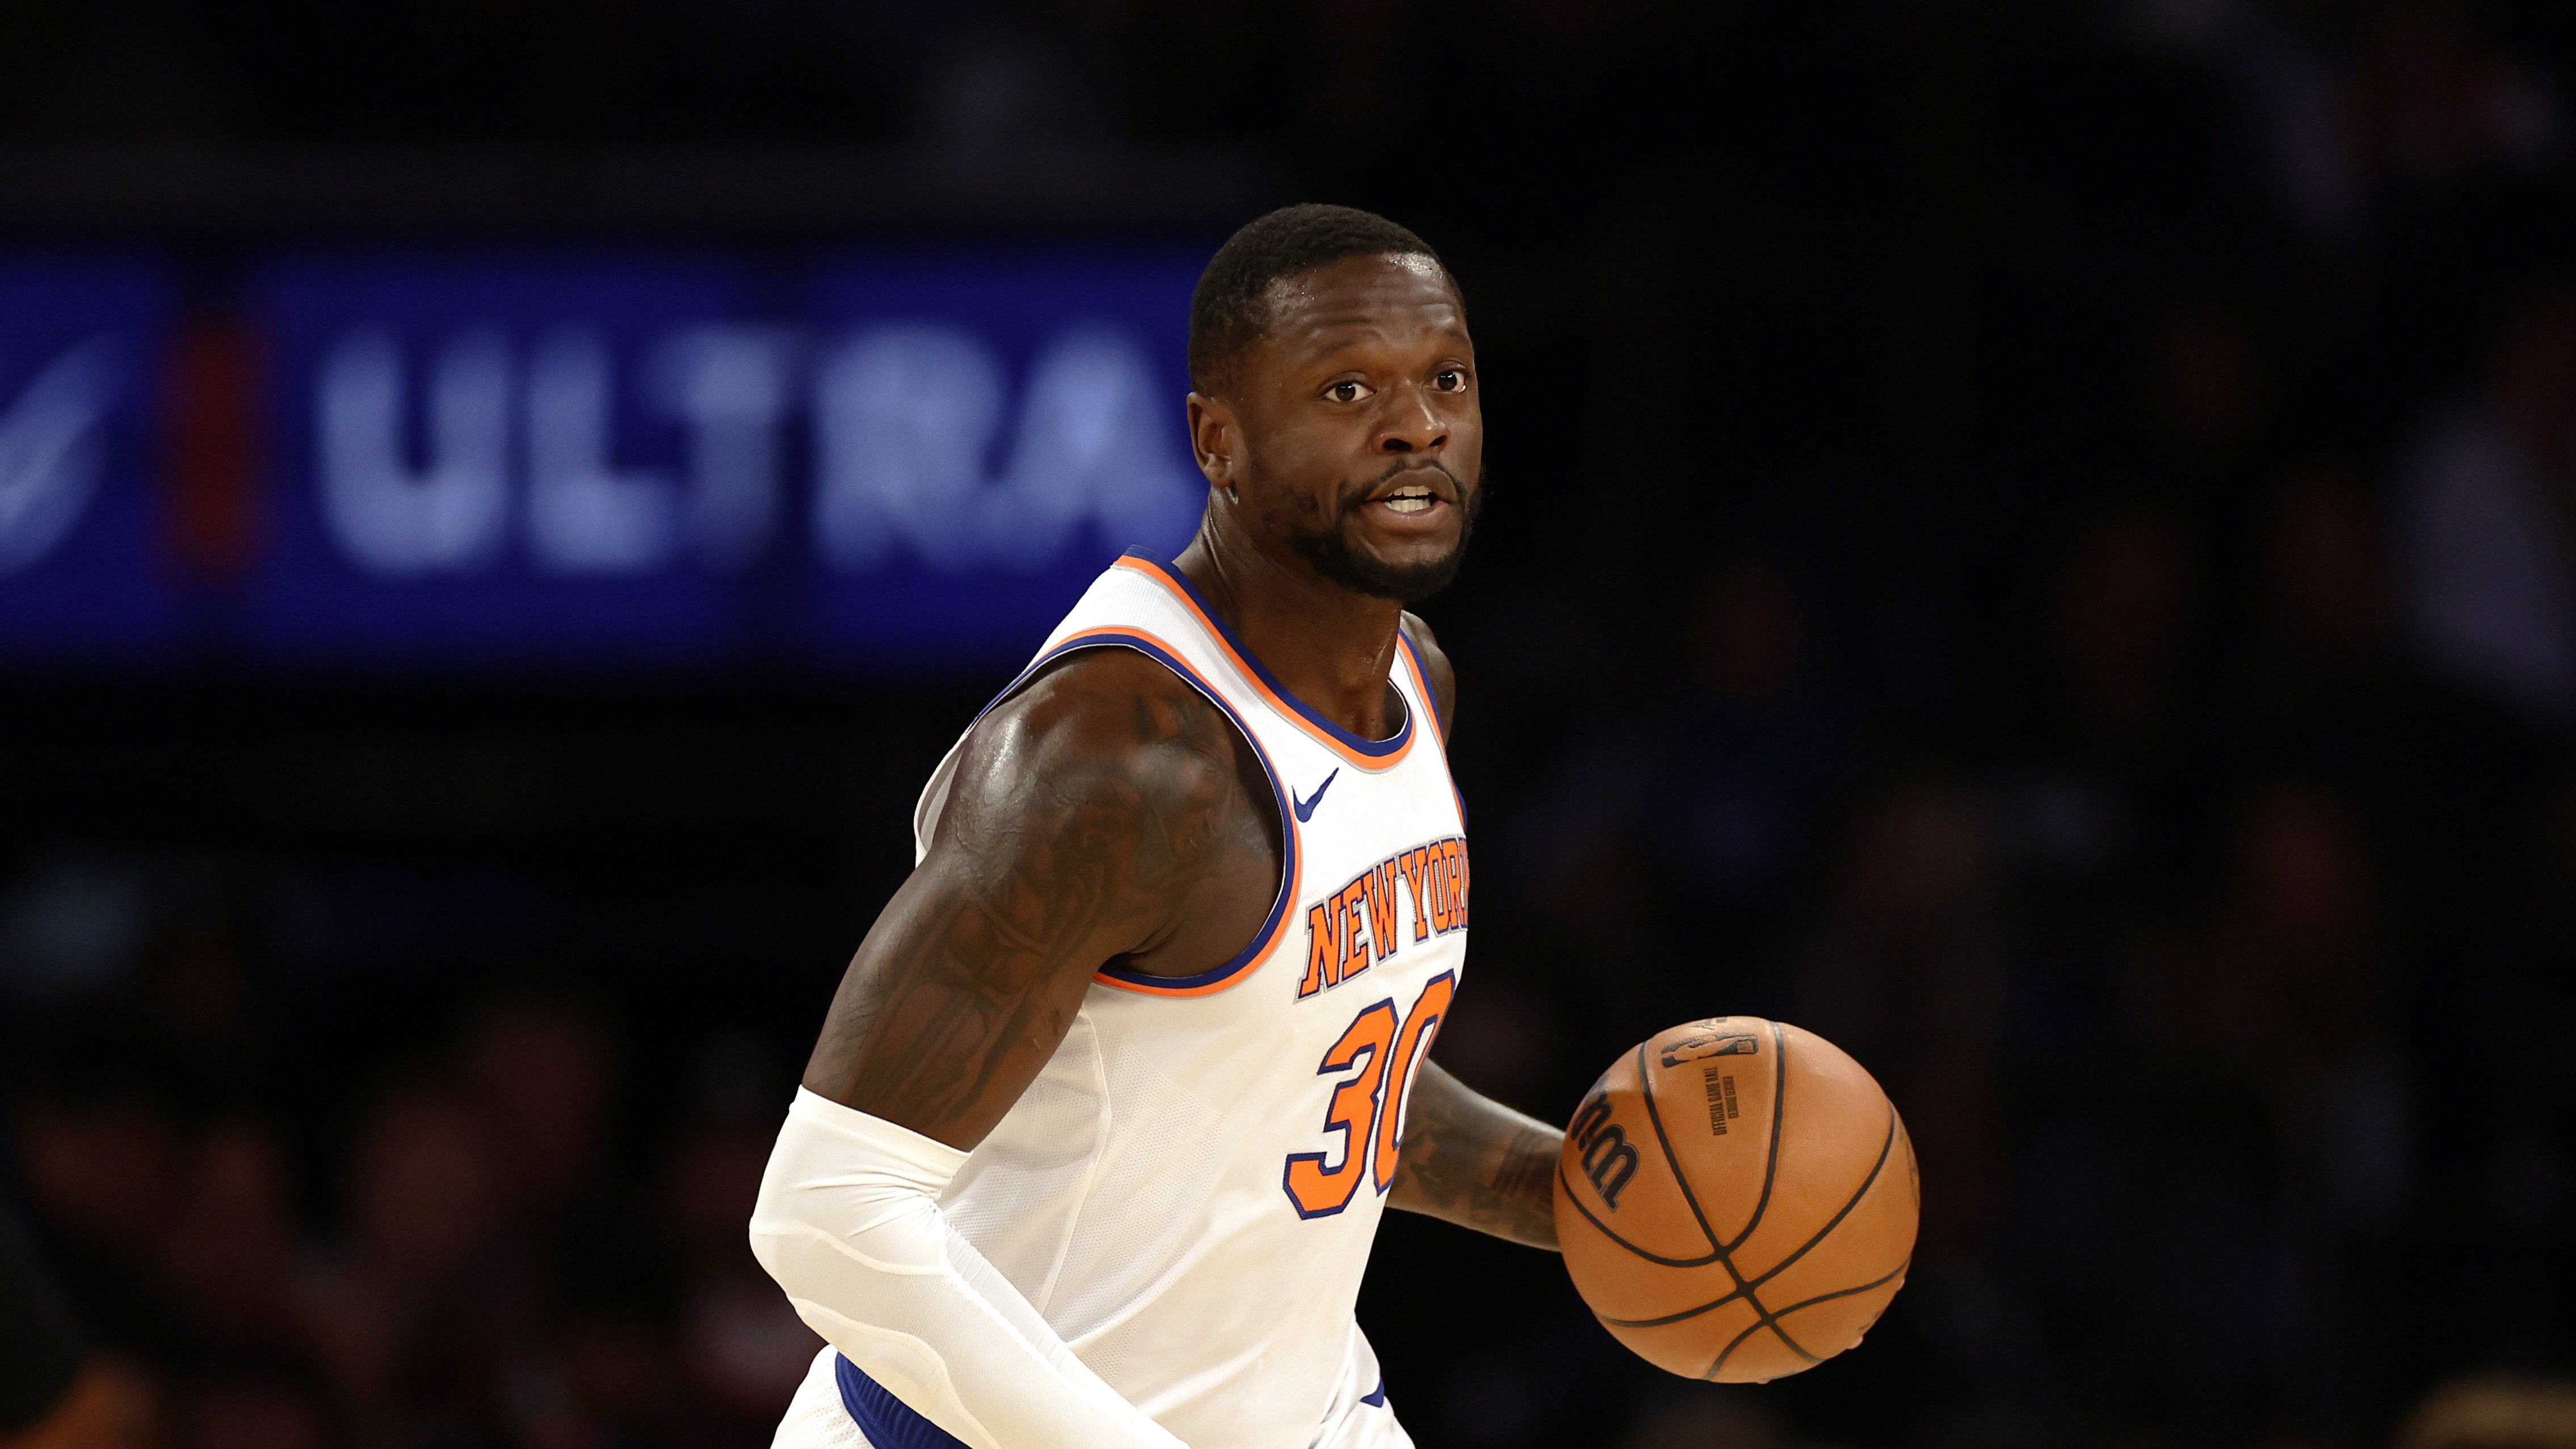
(1306, 807)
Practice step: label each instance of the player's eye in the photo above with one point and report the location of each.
(1450, 379)
(1348, 391)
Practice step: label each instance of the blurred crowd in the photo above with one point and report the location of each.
(2035, 540)
(445, 1250)
(2141, 734)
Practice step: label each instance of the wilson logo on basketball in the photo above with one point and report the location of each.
(1609, 1159)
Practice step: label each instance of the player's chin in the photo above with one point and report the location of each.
(1365, 560)
(1414, 557)
(1415, 570)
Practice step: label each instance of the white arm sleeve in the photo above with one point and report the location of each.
(849, 1224)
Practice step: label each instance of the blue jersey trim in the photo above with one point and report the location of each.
(1422, 676)
(1439, 722)
(1252, 661)
(1374, 1398)
(888, 1422)
(1287, 833)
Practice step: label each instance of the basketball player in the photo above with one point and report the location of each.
(1100, 1125)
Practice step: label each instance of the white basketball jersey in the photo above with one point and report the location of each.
(1188, 1191)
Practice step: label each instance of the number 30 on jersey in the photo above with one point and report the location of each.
(1382, 1056)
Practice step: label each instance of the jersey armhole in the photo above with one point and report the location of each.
(1264, 941)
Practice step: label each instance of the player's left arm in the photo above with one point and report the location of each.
(1467, 1158)
(1470, 1160)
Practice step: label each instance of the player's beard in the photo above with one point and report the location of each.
(1327, 546)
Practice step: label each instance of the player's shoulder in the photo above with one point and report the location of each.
(1436, 669)
(1107, 718)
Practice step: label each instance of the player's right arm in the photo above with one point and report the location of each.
(1083, 812)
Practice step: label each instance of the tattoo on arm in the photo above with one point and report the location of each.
(1075, 826)
(1472, 1161)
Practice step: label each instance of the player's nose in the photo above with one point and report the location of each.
(1411, 424)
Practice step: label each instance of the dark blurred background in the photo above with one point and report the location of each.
(2037, 540)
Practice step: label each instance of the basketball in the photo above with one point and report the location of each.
(1736, 1199)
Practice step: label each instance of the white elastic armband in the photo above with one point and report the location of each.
(849, 1224)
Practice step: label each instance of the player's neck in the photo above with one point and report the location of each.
(1326, 644)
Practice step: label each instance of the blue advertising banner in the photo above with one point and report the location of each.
(81, 568)
(987, 437)
(502, 460)
(617, 459)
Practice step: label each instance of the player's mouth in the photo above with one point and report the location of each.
(1413, 498)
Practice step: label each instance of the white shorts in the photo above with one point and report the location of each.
(1358, 1417)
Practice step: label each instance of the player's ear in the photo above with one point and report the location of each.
(1214, 438)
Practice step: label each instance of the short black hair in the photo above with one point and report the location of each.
(1227, 311)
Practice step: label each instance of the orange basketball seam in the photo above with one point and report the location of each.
(1655, 1258)
(1770, 1176)
(1769, 1320)
(1886, 1146)
(1897, 1272)
(1681, 1179)
(1717, 1252)
(1770, 1163)
(1770, 1169)
(1605, 1230)
(1755, 1328)
(1764, 1317)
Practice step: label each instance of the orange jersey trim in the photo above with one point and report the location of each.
(1287, 705)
